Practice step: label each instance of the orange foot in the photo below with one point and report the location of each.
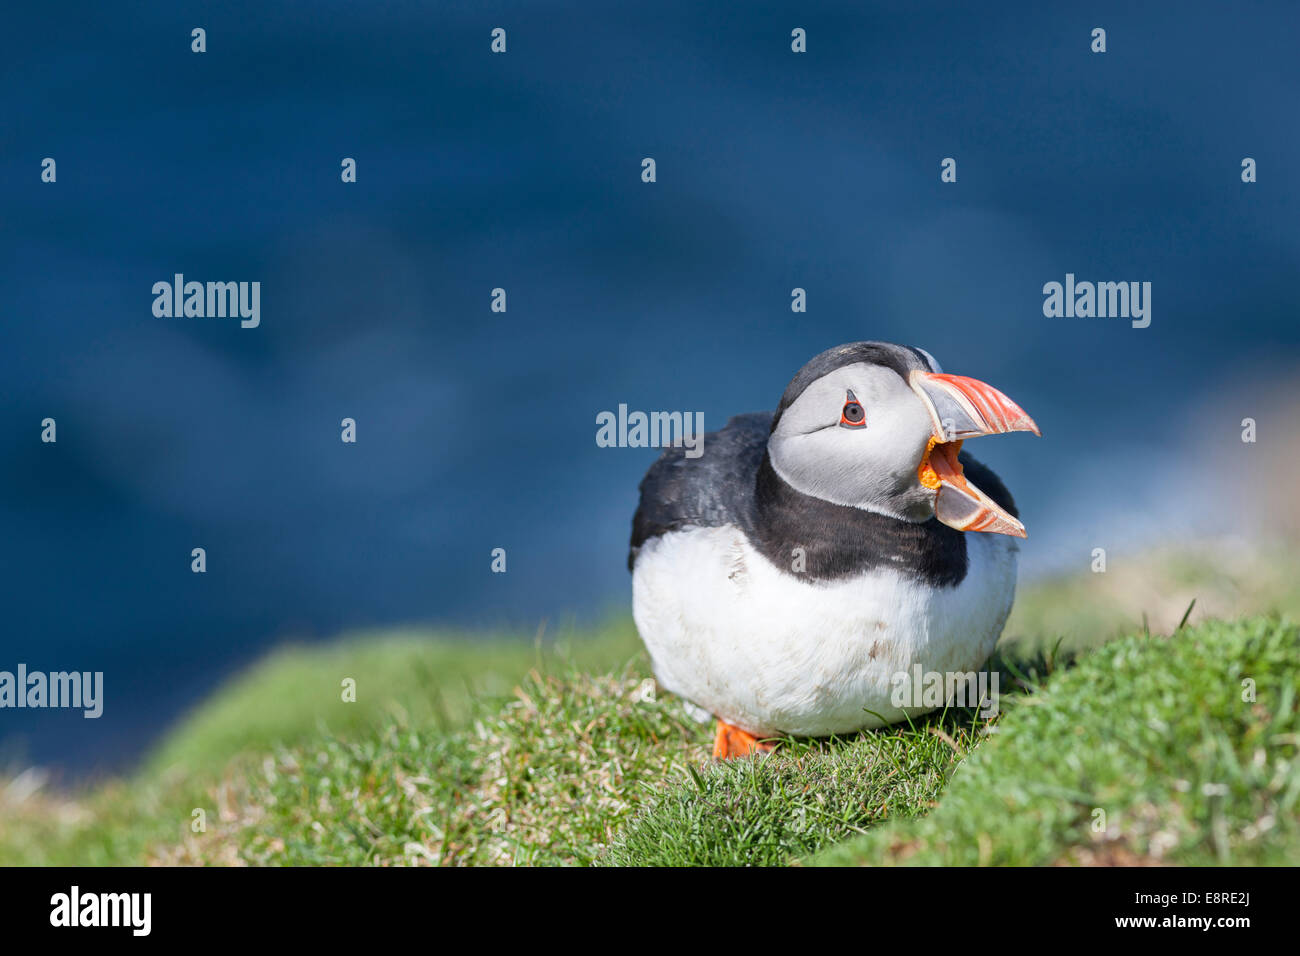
(734, 742)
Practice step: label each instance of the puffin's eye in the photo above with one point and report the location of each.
(852, 416)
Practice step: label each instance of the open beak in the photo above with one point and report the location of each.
(962, 408)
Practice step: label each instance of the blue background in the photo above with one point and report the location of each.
(476, 430)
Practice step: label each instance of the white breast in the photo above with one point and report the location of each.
(774, 653)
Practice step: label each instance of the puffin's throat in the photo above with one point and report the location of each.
(947, 452)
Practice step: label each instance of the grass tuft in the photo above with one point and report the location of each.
(771, 809)
(1159, 750)
(546, 779)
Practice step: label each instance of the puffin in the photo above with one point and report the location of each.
(783, 577)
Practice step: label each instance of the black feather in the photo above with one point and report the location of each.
(710, 491)
(733, 483)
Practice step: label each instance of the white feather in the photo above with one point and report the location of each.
(774, 653)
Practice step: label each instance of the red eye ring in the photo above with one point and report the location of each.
(852, 415)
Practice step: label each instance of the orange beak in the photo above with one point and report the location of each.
(962, 408)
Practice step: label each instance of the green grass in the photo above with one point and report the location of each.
(547, 778)
(559, 775)
(1144, 752)
(807, 795)
(426, 680)
(290, 699)
(560, 753)
(771, 810)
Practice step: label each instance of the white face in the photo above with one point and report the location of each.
(872, 466)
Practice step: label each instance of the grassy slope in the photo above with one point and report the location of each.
(430, 765)
(1152, 749)
(428, 680)
(293, 696)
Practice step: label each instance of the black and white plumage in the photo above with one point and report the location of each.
(783, 578)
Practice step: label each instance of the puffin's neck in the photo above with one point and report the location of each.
(839, 541)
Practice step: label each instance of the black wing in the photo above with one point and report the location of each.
(714, 489)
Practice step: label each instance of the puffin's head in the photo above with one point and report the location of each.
(878, 426)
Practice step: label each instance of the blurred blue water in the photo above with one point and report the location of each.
(476, 430)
